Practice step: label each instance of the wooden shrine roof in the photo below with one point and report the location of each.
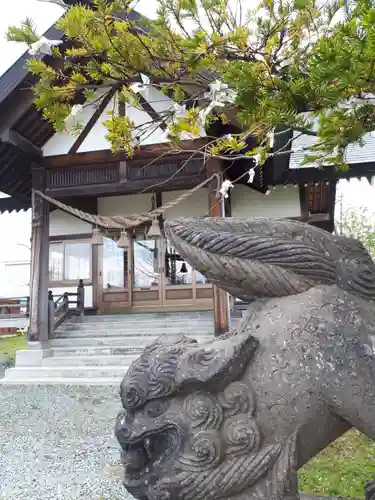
(24, 131)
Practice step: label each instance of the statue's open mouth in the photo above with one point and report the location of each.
(143, 457)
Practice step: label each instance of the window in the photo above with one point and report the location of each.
(177, 270)
(115, 265)
(145, 263)
(69, 261)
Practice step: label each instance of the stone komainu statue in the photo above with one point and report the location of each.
(237, 417)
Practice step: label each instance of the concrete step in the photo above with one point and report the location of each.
(125, 332)
(164, 317)
(81, 361)
(95, 351)
(30, 381)
(140, 326)
(116, 341)
(93, 342)
(69, 372)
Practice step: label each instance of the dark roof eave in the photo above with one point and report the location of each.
(13, 205)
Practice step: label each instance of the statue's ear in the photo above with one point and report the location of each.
(286, 259)
(215, 364)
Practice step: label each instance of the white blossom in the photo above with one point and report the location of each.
(219, 95)
(43, 46)
(256, 159)
(137, 87)
(179, 111)
(77, 108)
(225, 187)
(145, 79)
(217, 86)
(251, 173)
(165, 136)
(361, 100)
(220, 92)
(71, 120)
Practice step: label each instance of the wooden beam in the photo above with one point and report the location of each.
(15, 139)
(150, 111)
(216, 207)
(90, 124)
(129, 187)
(38, 330)
(150, 151)
(69, 237)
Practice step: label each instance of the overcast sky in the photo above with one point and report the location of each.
(15, 228)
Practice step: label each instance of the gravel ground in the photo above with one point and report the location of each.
(57, 443)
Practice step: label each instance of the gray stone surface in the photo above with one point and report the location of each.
(237, 417)
(57, 443)
(312, 497)
(5, 363)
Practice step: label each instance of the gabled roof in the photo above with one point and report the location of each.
(23, 130)
(25, 137)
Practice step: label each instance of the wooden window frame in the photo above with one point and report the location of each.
(68, 241)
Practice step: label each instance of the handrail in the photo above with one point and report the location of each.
(59, 310)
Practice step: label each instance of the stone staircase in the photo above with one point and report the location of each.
(99, 350)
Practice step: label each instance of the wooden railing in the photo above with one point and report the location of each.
(14, 312)
(59, 307)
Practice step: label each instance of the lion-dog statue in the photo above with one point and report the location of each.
(236, 418)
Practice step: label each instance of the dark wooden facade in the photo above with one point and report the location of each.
(79, 179)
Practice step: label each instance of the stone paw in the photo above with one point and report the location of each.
(370, 490)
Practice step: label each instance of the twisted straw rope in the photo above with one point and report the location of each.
(119, 221)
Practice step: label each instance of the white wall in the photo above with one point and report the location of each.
(62, 223)
(281, 202)
(125, 205)
(15, 279)
(194, 205)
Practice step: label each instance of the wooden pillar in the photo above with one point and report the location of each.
(217, 209)
(304, 203)
(51, 315)
(38, 329)
(81, 300)
(97, 289)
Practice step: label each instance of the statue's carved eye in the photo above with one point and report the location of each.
(156, 408)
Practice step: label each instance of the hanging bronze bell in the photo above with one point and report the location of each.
(154, 232)
(184, 268)
(123, 241)
(97, 237)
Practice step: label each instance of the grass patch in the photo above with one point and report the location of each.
(9, 346)
(342, 469)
